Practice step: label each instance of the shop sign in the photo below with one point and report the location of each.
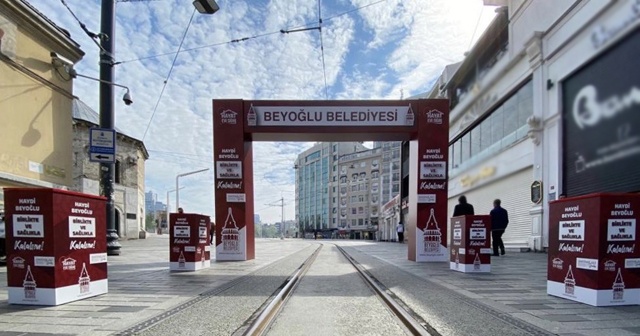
(605, 33)
(470, 180)
(601, 110)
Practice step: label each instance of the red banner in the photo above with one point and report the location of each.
(189, 247)
(593, 249)
(56, 246)
(428, 171)
(470, 244)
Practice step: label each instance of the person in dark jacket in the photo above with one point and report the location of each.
(463, 208)
(499, 222)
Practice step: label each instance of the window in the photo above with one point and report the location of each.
(354, 211)
(354, 187)
(335, 148)
(343, 179)
(475, 141)
(375, 174)
(465, 147)
(354, 199)
(354, 222)
(117, 172)
(361, 198)
(361, 221)
(360, 210)
(363, 175)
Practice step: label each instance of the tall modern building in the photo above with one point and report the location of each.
(359, 188)
(317, 183)
(390, 172)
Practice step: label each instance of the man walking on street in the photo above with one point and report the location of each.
(400, 231)
(499, 222)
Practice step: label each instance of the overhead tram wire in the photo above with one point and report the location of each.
(476, 28)
(94, 37)
(164, 86)
(324, 68)
(250, 37)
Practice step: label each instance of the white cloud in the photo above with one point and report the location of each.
(371, 53)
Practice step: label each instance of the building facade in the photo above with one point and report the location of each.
(131, 154)
(390, 173)
(36, 102)
(317, 186)
(359, 190)
(546, 103)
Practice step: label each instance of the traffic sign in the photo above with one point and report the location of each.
(102, 145)
(99, 157)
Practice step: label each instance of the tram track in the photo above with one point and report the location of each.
(264, 318)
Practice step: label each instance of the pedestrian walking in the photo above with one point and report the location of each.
(212, 232)
(499, 222)
(400, 231)
(463, 208)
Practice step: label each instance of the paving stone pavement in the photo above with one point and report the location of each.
(141, 288)
(516, 286)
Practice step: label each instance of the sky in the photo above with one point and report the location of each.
(371, 49)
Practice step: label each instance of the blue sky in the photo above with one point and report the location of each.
(373, 49)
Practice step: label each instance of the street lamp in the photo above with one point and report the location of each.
(178, 184)
(167, 212)
(206, 6)
(107, 115)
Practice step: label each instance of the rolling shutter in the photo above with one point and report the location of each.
(514, 192)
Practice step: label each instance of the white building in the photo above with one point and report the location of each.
(527, 109)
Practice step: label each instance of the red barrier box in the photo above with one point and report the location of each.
(593, 252)
(56, 246)
(190, 248)
(470, 244)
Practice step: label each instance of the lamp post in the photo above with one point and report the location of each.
(178, 184)
(168, 207)
(107, 115)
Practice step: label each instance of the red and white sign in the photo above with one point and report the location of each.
(51, 237)
(82, 227)
(470, 244)
(433, 170)
(189, 248)
(229, 170)
(353, 116)
(595, 237)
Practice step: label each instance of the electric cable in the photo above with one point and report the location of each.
(324, 69)
(245, 38)
(94, 37)
(164, 86)
(476, 28)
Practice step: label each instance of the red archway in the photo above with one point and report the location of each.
(423, 122)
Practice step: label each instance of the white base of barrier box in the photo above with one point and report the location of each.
(189, 266)
(470, 268)
(595, 297)
(56, 296)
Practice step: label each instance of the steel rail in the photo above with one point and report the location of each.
(415, 327)
(268, 315)
(262, 323)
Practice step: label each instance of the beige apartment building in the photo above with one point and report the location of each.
(359, 193)
(35, 101)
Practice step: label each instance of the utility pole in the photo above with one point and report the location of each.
(107, 116)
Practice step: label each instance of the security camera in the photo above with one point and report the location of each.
(59, 61)
(127, 98)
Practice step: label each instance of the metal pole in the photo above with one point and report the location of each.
(177, 192)
(107, 117)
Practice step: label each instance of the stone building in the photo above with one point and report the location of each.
(129, 171)
(35, 101)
